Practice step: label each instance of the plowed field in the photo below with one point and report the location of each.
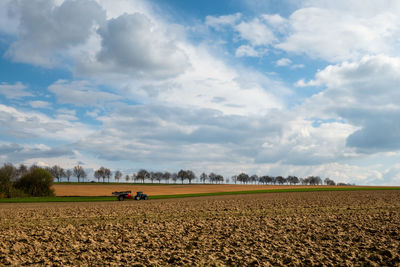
(308, 228)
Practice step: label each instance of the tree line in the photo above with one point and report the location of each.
(105, 174)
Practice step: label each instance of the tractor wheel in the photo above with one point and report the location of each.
(145, 198)
(137, 198)
(120, 198)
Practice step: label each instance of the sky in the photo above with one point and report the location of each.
(264, 87)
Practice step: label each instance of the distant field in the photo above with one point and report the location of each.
(100, 189)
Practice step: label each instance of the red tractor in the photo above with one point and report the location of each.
(128, 195)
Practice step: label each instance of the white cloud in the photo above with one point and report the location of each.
(66, 114)
(246, 51)
(8, 17)
(274, 20)
(256, 32)
(29, 125)
(297, 66)
(17, 153)
(283, 62)
(334, 35)
(221, 21)
(132, 45)
(14, 91)
(47, 31)
(391, 176)
(237, 90)
(81, 93)
(365, 94)
(286, 62)
(174, 134)
(39, 104)
(302, 143)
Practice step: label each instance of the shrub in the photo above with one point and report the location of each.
(36, 183)
(14, 192)
(8, 173)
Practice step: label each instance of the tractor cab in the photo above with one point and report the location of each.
(140, 195)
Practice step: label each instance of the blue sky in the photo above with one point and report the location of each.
(264, 87)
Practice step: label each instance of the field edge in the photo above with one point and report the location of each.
(113, 198)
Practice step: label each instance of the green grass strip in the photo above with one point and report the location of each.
(113, 198)
(56, 199)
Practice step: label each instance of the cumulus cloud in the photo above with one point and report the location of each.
(275, 20)
(66, 114)
(221, 21)
(132, 45)
(17, 153)
(81, 93)
(47, 31)
(212, 84)
(283, 62)
(246, 51)
(175, 134)
(366, 94)
(14, 91)
(39, 104)
(303, 143)
(337, 35)
(391, 176)
(9, 20)
(256, 32)
(333, 31)
(29, 125)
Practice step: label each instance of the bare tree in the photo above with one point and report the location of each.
(166, 176)
(107, 174)
(174, 177)
(254, 178)
(98, 174)
(280, 180)
(143, 175)
(68, 174)
(134, 177)
(182, 175)
(219, 178)
(212, 177)
(328, 181)
(57, 172)
(79, 172)
(152, 176)
(117, 175)
(127, 178)
(103, 173)
(203, 177)
(158, 176)
(293, 180)
(190, 176)
(243, 178)
(234, 178)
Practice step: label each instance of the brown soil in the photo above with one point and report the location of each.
(309, 228)
(154, 190)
